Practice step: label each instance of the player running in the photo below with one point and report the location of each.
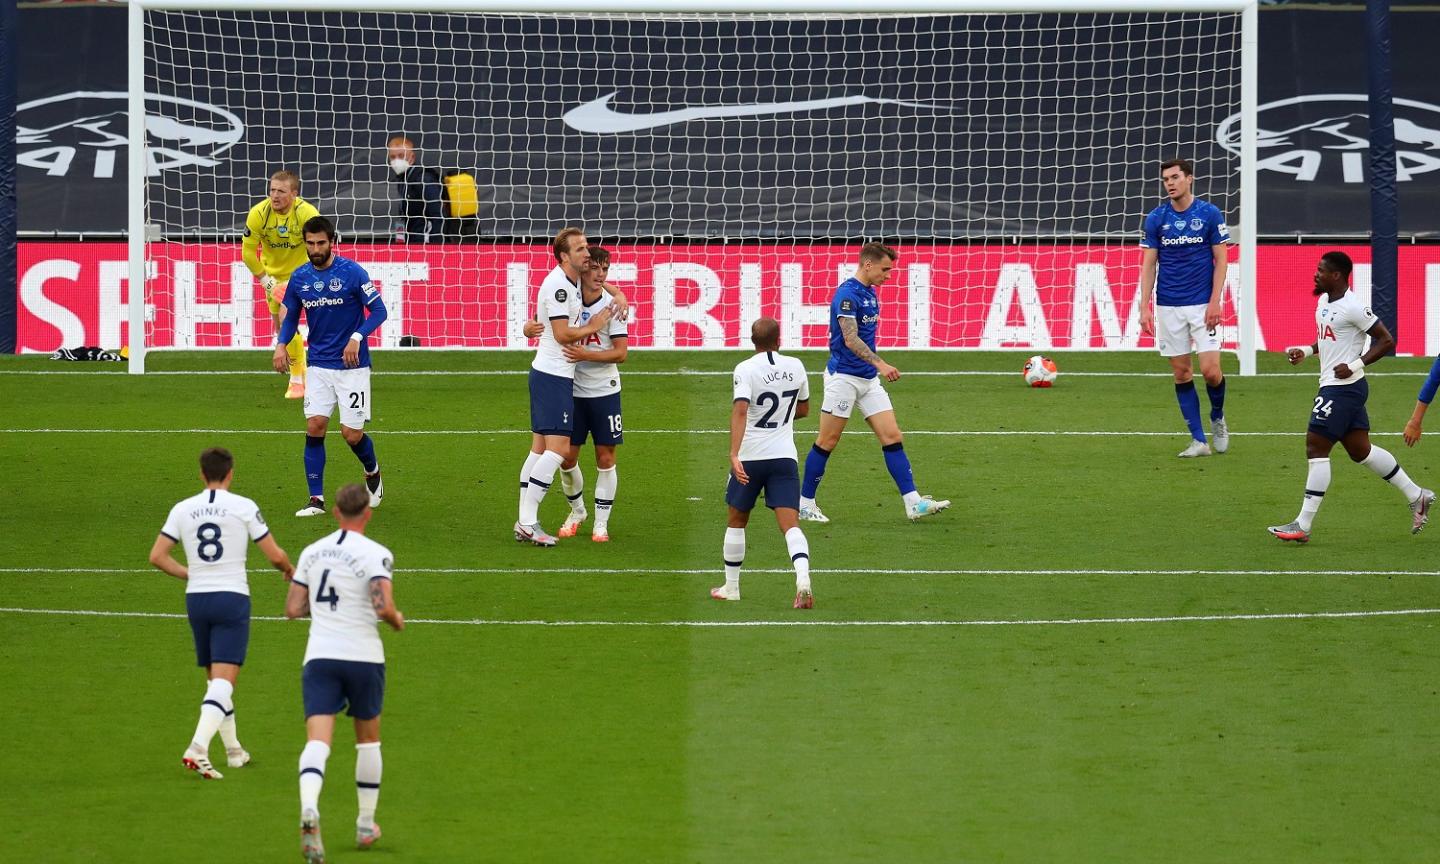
(343, 307)
(272, 248)
(344, 583)
(771, 391)
(214, 526)
(852, 380)
(1185, 239)
(1342, 322)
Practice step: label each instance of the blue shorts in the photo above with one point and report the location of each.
(598, 416)
(220, 622)
(779, 479)
(1339, 408)
(552, 404)
(329, 685)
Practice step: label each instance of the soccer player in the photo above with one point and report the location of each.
(1185, 239)
(1342, 322)
(343, 582)
(1422, 402)
(214, 526)
(272, 248)
(343, 307)
(852, 380)
(771, 391)
(597, 404)
(552, 378)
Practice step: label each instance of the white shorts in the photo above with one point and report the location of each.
(1177, 326)
(844, 393)
(348, 388)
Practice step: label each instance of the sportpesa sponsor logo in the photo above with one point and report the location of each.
(1181, 241)
(324, 301)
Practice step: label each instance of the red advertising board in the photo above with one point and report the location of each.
(1054, 298)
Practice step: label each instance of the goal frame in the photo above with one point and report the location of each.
(1249, 94)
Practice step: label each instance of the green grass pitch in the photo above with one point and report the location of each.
(1097, 654)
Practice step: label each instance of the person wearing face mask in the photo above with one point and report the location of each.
(420, 212)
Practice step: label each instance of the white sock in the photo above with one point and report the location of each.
(312, 775)
(228, 734)
(572, 480)
(541, 475)
(1381, 462)
(525, 477)
(799, 549)
(606, 483)
(807, 503)
(212, 713)
(1317, 480)
(910, 498)
(734, 556)
(367, 781)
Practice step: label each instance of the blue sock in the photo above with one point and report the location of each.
(898, 464)
(814, 470)
(365, 452)
(1217, 400)
(1190, 408)
(315, 465)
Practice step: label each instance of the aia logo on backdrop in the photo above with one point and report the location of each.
(1326, 138)
(85, 133)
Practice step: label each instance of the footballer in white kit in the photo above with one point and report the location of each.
(770, 392)
(216, 527)
(1343, 323)
(344, 582)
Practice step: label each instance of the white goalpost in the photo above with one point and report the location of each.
(731, 155)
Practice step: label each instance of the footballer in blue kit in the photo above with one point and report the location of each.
(853, 379)
(342, 307)
(1185, 239)
(1422, 402)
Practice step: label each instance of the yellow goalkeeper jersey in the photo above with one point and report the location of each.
(279, 239)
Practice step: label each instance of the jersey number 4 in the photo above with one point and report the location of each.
(333, 598)
(765, 422)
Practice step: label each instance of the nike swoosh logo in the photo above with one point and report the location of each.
(599, 118)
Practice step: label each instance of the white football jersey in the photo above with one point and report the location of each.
(558, 297)
(773, 384)
(216, 528)
(598, 379)
(1340, 335)
(336, 570)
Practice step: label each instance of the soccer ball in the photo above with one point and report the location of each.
(1040, 371)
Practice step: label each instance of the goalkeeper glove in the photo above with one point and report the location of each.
(268, 283)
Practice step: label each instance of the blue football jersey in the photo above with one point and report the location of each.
(853, 299)
(335, 301)
(1184, 240)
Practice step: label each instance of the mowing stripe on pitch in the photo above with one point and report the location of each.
(839, 571)
(656, 373)
(970, 622)
(978, 433)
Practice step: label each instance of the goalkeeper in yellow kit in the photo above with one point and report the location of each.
(272, 248)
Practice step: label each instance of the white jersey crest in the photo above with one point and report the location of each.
(773, 384)
(558, 297)
(1340, 335)
(598, 379)
(216, 528)
(336, 571)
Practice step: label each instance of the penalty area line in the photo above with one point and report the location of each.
(963, 622)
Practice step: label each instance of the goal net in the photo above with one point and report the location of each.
(731, 163)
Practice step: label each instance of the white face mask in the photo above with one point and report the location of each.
(399, 166)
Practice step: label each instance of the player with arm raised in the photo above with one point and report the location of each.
(770, 392)
(852, 380)
(1427, 395)
(215, 526)
(343, 307)
(272, 248)
(343, 582)
(552, 378)
(1185, 239)
(1342, 321)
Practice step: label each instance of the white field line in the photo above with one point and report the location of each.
(970, 622)
(839, 571)
(1296, 433)
(657, 373)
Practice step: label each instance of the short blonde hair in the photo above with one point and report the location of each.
(289, 177)
(561, 245)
